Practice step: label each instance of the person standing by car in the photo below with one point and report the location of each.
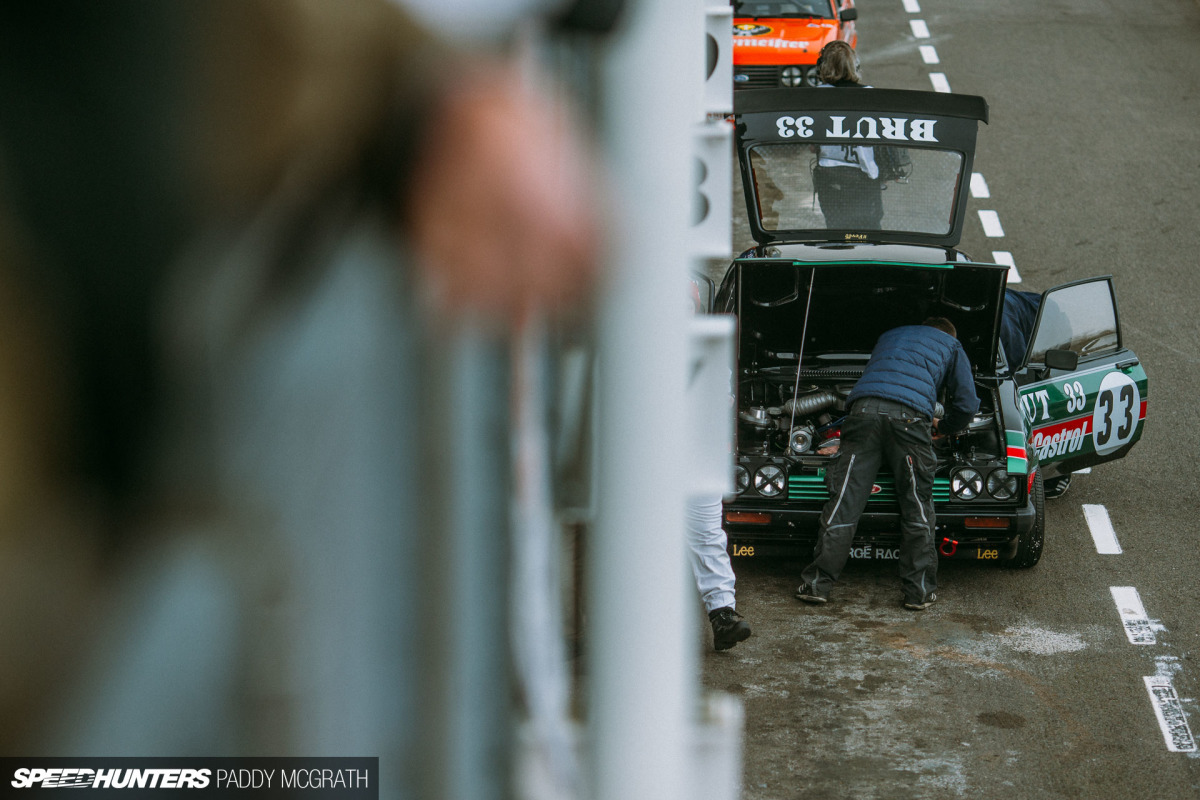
(708, 554)
(890, 420)
(846, 177)
(709, 557)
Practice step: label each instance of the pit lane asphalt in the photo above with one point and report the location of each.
(1022, 684)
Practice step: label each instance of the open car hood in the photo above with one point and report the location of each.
(834, 312)
(924, 142)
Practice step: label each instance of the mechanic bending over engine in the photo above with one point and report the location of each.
(890, 420)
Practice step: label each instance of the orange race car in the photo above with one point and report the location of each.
(777, 44)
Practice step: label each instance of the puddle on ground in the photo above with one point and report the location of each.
(1001, 719)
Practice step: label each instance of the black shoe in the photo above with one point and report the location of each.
(809, 595)
(918, 605)
(728, 627)
(1057, 487)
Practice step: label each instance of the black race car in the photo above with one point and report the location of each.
(843, 257)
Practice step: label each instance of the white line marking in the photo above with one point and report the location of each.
(929, 54)
(940, 84)
(1138, 628)
(1102, 530)
(1005, 257)
(979, 188)
(1171, 717)
(919, 28)
(912, 6)
(991, 224)
(1084, 471)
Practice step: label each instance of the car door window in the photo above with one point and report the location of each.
(1081, 317)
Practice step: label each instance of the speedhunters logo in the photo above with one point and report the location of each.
(82, 777)
(350, 778)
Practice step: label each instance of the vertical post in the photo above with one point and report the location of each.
(713, 138)
(641, 643)
(466, 714)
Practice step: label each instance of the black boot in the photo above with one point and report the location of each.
(728, 627)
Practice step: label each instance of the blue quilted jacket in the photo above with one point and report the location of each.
(910, 364)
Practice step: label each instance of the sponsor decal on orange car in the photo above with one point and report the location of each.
(782, 43)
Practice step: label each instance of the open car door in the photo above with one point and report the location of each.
(1082, 391)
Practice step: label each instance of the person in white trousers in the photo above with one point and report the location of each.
(713, 570)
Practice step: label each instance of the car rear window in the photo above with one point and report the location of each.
(921, 199)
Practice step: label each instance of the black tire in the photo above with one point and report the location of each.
(1029, 546)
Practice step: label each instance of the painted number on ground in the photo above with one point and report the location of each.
(1138, 628)
(1171, 718)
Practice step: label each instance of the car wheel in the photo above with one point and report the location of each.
(1029, 546)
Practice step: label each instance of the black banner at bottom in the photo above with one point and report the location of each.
(252, 778)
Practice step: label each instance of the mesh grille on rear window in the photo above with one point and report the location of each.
(807, 187)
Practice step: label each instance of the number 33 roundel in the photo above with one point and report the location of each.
(1118, 407)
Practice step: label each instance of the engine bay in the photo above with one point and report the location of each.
(784, 416)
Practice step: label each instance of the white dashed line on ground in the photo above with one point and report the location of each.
(979, 187)
(1171, 718)
(1138, 628)
(1102, 530)
(1006, 258)
(991, 224)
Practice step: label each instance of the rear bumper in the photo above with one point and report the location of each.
(968, 533)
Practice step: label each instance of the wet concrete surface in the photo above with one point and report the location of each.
(862, 698)
(1020, 684)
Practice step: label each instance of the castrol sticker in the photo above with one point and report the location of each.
(1054, 441)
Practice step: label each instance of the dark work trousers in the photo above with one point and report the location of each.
(879, 433)
(849, 199)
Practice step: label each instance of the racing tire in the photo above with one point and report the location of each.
(1029, 546)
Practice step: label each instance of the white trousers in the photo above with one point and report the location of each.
(707, 553)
